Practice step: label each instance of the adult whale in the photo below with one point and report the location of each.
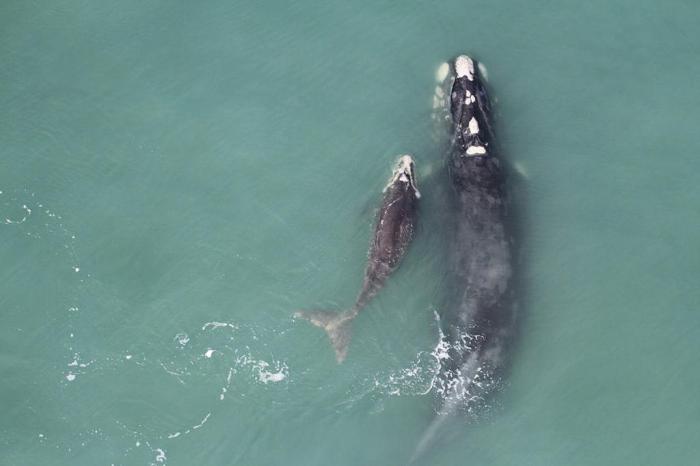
(478, 317)
(392, 234)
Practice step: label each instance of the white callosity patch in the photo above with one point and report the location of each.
(403, 173)
(473, 126)
(476, 150)
(406, 164)
(464, 66)
(469, 98)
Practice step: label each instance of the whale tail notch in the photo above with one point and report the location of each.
(336, 324)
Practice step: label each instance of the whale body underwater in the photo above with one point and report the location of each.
(478, 314)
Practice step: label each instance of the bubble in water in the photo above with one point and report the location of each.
(182, 339)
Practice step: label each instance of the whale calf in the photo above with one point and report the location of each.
(393, 232)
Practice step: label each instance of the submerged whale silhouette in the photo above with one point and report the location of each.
(479, 317)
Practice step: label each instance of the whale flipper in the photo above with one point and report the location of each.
(336, 325)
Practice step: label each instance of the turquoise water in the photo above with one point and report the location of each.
(178, 177)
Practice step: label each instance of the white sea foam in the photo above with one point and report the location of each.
(27, 213)
(178, 375)
(194, 427)
(264, 371)
(182, 339)
(225, 388)
(420, 377)
(463, 389)
(440, 352)
(160, 456)
(215, 325)
(267, 376)
(206, 418)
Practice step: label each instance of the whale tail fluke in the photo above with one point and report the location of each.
(336, 324)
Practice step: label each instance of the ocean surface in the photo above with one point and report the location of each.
(177, 178)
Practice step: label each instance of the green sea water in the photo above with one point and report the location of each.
(177, 178)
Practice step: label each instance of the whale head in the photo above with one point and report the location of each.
(463, 95)
(404, 176)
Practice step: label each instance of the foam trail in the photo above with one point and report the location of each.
(450, 405)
